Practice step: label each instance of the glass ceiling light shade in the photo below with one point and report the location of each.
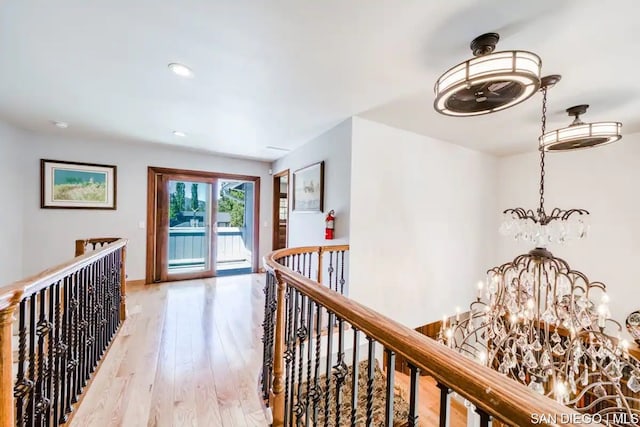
(540, 227)
(489, 82)
(579, 134)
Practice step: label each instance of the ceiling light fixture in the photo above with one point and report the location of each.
(178, 133)
(181, 70)
(579, 134)
(271, 147)
(489, 82)
(540, 227)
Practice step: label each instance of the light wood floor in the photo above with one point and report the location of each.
(189, 354)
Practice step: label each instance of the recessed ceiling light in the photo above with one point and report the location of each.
(181, 70)
(61, 125)
(178, 133)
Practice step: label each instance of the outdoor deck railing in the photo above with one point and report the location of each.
(187, 245)
(64, 320)
(316, 341)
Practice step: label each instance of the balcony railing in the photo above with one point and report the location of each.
(187, 246)
(59, 325)
(316, 341)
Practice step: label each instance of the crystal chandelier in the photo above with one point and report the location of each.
(489, 82)
(579, 134)
(547, 326)
(540, 227)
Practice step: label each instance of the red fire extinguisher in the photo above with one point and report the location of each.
(329, 225)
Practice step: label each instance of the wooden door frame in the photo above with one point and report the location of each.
(154, 171)
(276, 207)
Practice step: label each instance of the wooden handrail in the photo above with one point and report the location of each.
(35, 283)
(488, 390)
(49, 286)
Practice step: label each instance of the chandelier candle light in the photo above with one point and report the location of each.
(545, 325)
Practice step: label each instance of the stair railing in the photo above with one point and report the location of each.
(64, 320)
(316, 341)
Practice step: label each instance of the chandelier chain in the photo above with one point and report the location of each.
(541, 212)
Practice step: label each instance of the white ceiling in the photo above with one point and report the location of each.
(279, 72)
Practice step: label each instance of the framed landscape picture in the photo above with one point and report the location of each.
(70, 185)
(308, 188)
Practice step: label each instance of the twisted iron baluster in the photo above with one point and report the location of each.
(413, 396)
(340, 370)
(330, 268)
(391, 370)
(316, 373)
(355, 376)
(309, 358)
(371, 359)
(301, 335)
(23, 385)
(42, 330)
(342, 281)
(31, 406)
(294, 350)
(327, 397)
(288, 354)
(63, 348)
(444, 404)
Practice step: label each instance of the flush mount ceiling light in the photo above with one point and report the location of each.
(181, 70)
(489, 82)
(579, 134)
(61, 125)
(178, 133)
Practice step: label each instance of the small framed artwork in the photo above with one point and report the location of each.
(308, 188)
(70, 185)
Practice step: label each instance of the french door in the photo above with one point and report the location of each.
(200, 224)
(185, 231)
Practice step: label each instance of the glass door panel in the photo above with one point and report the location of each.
(185, 234)
(189, 248)
(235, 227)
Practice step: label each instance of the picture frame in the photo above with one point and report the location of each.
(308, 188)
(74, 185)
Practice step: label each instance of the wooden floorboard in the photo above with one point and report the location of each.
(189, 354)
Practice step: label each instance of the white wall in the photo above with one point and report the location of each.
(423, 222)
(606, 182)
(334, 147)
(49, 234)
(12, 194)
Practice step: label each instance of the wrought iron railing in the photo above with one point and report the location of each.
(317, 341)
(65, 318)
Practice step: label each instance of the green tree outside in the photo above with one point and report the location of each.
(195, 203)
(232, 201)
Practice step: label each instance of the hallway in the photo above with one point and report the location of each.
(188, 354)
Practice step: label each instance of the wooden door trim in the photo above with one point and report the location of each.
(153, 172)
(276, 207)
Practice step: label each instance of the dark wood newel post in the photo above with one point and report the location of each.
(8, 307)
(80, 247)
(123, 283)
(277, 390)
